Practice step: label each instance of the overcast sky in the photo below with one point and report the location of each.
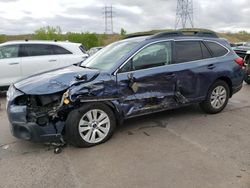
(25, 16)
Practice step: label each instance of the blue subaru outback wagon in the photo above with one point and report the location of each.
(136, 76)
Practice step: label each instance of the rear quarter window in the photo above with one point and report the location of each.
(216, 49)
(58, 50)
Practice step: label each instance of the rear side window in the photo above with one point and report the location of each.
(216, 49)
(187, 51)
(10, 51)
(36, 50)
(205, 52)
(60, 50)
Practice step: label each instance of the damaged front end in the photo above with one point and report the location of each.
(45, 108)
(38, 118)
(38, 106)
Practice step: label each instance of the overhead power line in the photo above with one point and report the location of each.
(184, 14)
(108, 16)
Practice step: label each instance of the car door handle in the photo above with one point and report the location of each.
(52, 60)
(14, 63)
(212, 66)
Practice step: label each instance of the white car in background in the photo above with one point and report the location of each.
(93, 50)
(19, 59)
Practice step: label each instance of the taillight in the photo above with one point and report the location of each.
(240, 61)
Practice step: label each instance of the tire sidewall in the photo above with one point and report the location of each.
(72, 123)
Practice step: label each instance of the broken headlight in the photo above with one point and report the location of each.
(13, 93)
(65, 97)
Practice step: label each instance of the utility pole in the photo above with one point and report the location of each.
(184, 14)
(108, 13)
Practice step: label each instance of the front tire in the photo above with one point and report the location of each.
(217, 98)
(90, 125)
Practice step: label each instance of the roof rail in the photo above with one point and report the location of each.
(206, 34)
(137, 35)
(166, 34)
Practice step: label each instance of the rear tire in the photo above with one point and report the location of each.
(90, 125)
(217, 98)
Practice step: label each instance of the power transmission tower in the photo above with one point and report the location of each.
(184, 13)
(108, 13)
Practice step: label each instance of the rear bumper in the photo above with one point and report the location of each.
(235, 89)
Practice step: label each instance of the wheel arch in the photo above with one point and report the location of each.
(116, 110)
(113, 105)
(229, 83)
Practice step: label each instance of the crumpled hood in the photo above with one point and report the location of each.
(55, 80)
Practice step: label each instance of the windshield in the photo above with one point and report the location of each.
(106, 58)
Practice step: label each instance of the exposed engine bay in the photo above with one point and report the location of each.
(42, 109)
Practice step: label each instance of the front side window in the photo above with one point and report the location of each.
(10, 51)
(155, 55)
(186, 51)
(36, 50)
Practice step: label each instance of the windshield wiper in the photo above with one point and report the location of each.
(84, 66)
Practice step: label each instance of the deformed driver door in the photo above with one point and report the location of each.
(145, 82)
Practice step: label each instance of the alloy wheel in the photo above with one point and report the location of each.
(94, 126)
(218, 97)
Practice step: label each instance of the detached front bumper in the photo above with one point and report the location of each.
(31, 131)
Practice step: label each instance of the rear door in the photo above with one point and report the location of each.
(37, 58)
(10, 64)
(192, 63)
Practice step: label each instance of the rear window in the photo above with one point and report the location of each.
(188, 51)
(216, 49)
(60, 50)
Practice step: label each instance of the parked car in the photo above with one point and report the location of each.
(133, 77)
(93, 50)
(19, 59)
(244, 52)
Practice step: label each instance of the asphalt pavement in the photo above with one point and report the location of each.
(182, 148)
